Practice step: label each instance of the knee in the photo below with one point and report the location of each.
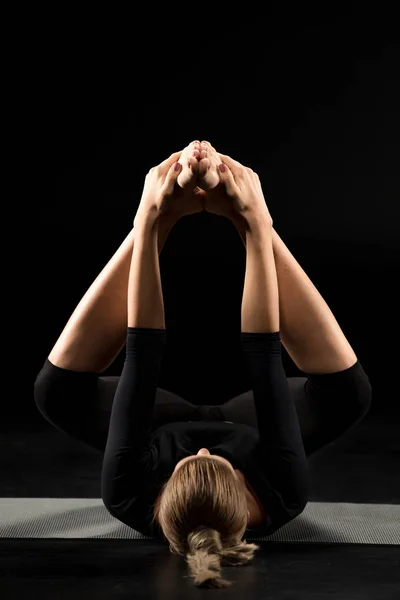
(48, 391)
(362, 394)
(42, 392)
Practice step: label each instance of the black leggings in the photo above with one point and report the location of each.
(79, 404)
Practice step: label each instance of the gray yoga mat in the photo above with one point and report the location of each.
(320, 522)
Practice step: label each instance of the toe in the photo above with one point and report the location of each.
(204, 165)
(189, 171)
(193, 165)
(208, 178)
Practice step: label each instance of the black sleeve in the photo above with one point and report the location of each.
(126, 470)
(282, 456)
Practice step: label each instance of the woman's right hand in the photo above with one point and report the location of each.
(238, 193)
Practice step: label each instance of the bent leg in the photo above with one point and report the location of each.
(96, 331)
(330, 404)
(309, 330)
(327, 405)
(79, 403)
(71, 401)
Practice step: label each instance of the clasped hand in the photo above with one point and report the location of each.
(197, 179)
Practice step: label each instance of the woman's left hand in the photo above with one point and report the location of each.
(163, 196)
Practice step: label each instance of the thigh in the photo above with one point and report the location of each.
(327, 405)
(79, 403)
(168, 407)
(75, 402)
(330, 404)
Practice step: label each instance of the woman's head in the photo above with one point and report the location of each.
(202, 511)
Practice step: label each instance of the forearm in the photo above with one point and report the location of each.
(260, 302)
(145, 298)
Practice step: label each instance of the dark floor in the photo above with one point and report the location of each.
(363, 466)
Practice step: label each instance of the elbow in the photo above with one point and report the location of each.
(301, 495)
(110, 508)
(303, 487)
(303, 503)
(107, 504)
(302, 499)
(107, 497)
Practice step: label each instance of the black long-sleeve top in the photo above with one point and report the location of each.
(138, 460)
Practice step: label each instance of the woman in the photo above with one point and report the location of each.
(252, 475)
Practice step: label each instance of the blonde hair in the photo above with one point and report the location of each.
(202, 511)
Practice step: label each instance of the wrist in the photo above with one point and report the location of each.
(258, 228)
(147, 218)
(259, 219)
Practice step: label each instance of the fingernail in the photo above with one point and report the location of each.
(177, 166)
(222, 167)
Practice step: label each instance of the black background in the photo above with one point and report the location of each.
(309, 98)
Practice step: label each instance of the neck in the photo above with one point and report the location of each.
(252, 504)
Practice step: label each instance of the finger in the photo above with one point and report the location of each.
(171, 177)
(226, 177)
(234, 165)
(166, 164)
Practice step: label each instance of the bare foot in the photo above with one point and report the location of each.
(214, 194)
(209, 160)
(189, 160)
